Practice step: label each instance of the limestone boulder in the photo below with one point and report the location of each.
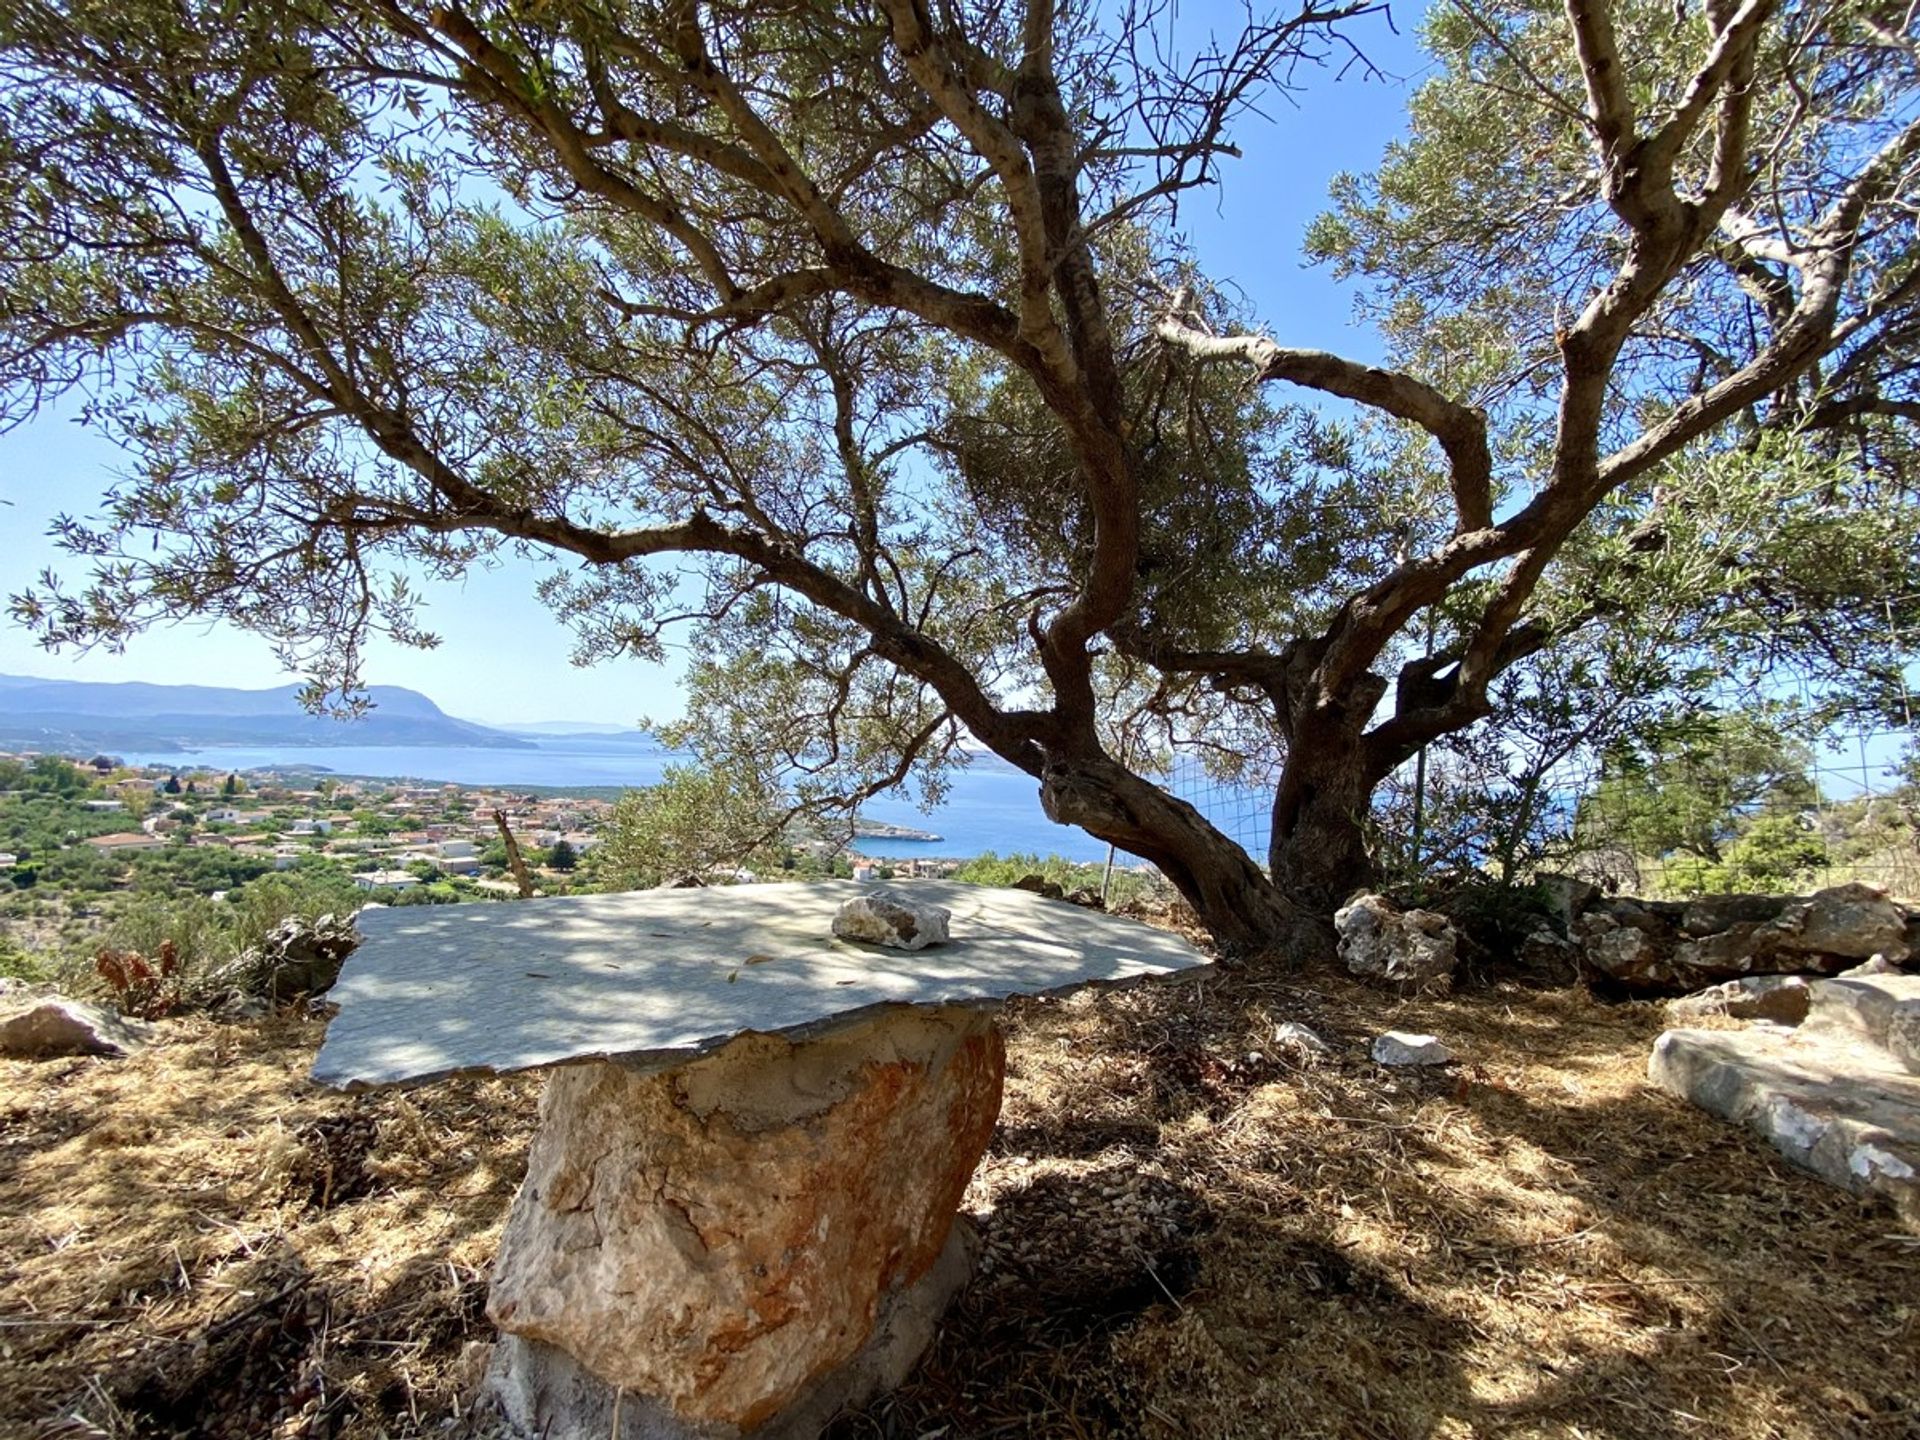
(1566, 896)
(1712, 914)
(1825, 1099)
(1873, 1011)
(1851, 921)
(298, 956)
(1781, 999)
(1745, 947)
(1616, 946)
(892, 919)
(1407, 947)
(1665, 948)
(54, 1025)
(719, 1240)
(1550, 955)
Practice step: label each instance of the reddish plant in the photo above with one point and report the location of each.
(141, 987)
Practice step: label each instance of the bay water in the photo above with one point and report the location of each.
(990, 805)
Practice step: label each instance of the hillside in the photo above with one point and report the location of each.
(1186, 1233)
(84, 715)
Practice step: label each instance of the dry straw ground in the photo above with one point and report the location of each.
(1188, 1232)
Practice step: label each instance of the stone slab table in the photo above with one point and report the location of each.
(739, 1210)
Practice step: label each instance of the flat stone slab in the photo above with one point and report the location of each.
(1880, 1010)
(655, 977)
(1844, 1110)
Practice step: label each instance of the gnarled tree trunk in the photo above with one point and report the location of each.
(1317, 852)
(1243, 909)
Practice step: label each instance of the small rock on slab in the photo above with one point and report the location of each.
(1830, 1104)
(888, 918)
(1396, 1047)
(1779, 998)
(58, 1026)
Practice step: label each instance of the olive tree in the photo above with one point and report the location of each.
(860, 339)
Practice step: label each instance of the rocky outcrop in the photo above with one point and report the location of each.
(49, 1026)
(1407, 947)
(1040, 885)
(1852, 922)
(719, 1242)
(896, 921)
(297, 957)
(1665, 947)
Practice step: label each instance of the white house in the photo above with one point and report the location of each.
(117, 843)
(385, 880)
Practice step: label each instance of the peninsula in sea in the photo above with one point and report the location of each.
(989, 806)
(79, 715)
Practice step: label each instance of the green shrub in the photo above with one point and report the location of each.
(18, 964)
(1069, 875)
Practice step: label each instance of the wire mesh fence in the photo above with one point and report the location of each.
(1734, 808)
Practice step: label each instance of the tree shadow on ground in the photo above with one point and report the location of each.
(208, 1246)
(1532, 1242)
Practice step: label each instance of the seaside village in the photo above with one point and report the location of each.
(390, 836)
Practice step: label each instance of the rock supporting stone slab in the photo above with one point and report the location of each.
(723, 1243)
(543, 1392)
(657, 977)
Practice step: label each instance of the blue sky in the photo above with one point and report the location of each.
(503, 658)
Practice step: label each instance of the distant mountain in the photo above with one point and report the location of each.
(80, 714)
(574, 727)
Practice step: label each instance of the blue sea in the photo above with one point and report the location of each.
(990, 806)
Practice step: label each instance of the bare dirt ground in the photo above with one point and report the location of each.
(1188, 1232)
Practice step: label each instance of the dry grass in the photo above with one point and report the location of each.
(199, 1242)
(1535, 1243)
(1188, 1233)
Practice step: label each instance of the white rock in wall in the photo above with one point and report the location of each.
(1409, 947)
